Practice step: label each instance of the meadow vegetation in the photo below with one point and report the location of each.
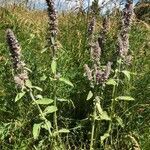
(70, 92)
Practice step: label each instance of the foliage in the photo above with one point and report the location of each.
(142, 11)
(21, 126)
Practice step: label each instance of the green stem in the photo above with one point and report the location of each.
(114, 90)
(41, 112)
(54, 48)
(112, 111)
(113, 100)
(112, 107)
(55, 104)
(55, 83)
(93, 127)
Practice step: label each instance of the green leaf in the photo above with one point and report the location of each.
(111, 82)
(119, 61)
(63, 131)
(28, 83)
(36, 130)
(46, 125)
(90, 95)
(44, 50)
(98, 105)
(52, 79)
(39, 96)
(44, 101)
(127, 74)
(28, 69)
(19, 96)
(53, 66)
(66, 81)
(38, 88)
(43, 78)
(52, 40)
(105, 136)
(120, 121)
(50, 109)
(104, 116)
(62, 100)
(125, 98)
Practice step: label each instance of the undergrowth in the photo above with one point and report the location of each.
(123, 98)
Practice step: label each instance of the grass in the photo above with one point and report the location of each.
(18, 118)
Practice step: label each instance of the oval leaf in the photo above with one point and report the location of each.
(28, 83)
(63, 131)
(66, 81)
(52, 40)
(104, 116)
(46, 125)
(62, 100)
(50, 109)
(38, 88)
(43, 78)
(105, 136)
(125, 98)
(120, 121)
(90, 95)
(39, 96)
(19, 96)
(111, 82)
(127, 74)
(44, 101)
(53, 66)
(36, 130)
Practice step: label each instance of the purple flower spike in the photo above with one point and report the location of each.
(21, 74)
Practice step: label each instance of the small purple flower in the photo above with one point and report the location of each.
(105, 24)
(91, 27)
(95, 52)
(102, 75)
(52, 17)
(107, 71)
(99, 75)
(53, 26)
(15, 49)
(123, 38)
(103, 33)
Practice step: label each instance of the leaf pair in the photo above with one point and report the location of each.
(46, 101)
(37, 127)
